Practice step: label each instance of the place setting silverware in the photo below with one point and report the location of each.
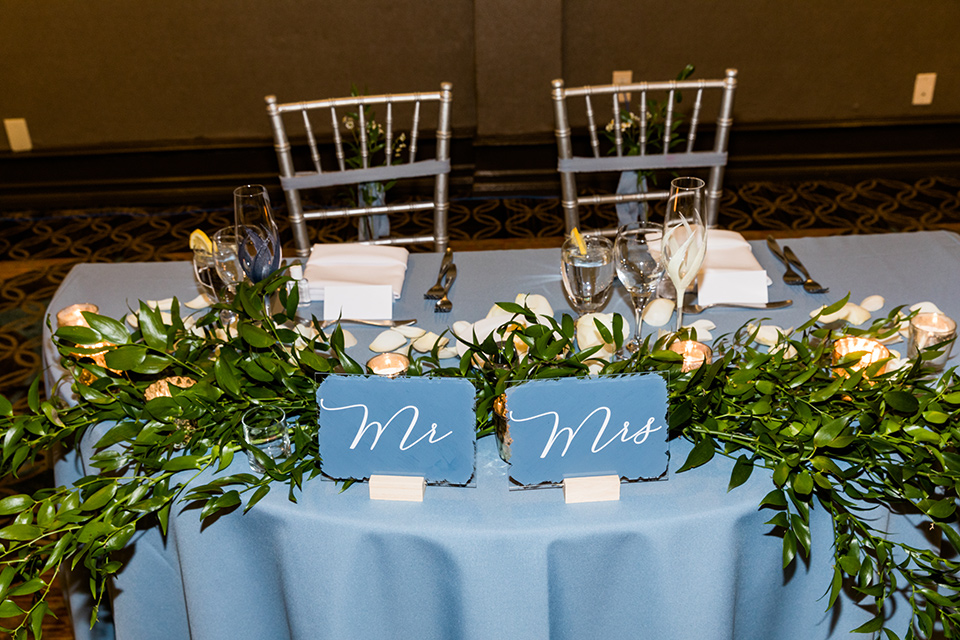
(790, 260)
(436, 291)
(694, 309)
(444, 305)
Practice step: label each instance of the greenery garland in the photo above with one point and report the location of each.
(847, 443)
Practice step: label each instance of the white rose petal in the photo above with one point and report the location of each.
(410, 331)
(388, 341)
(447, 352)
(166, 317)
(767, 334)
(132, 320)
(462, 328)
(425, 342)
(855, 314)
(789, 352)
(925, 307)
(840, 314)
(658, 312)
(162, 305)
(703, 328)
(536, 303)
(873, 303)
(349, 340)
(200, 302)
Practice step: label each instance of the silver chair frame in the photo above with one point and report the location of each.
(715, 159)
(293, 181)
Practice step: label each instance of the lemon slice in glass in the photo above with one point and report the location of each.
(199, 241)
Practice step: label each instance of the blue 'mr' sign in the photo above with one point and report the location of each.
(397, 426)
(575, 427)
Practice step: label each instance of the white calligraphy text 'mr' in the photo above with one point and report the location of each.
(623, 435)
(431, 433)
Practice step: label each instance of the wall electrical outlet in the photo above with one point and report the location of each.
(17, 134)
(623, 77)
(923, 88)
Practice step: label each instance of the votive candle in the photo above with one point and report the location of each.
(928, 330)
(389, 365)
(874, 351)
(695, 354)
(72, 316)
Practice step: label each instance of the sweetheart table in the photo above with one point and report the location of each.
(679, 558)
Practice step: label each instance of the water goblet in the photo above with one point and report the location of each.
(266, 429)
(684, 237)
(205, 270)
(228, 269)
(638, 268)
(587, 272)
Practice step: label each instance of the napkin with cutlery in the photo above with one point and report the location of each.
(730, 272)
(351, 264)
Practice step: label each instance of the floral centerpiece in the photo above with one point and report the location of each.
(842, 443)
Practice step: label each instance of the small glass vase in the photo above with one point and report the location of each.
(372, 227)
(258, 240)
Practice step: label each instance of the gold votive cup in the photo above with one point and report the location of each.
(695, 354)
(930, 330)
(874, 351)
(389, 365)
(72, 316)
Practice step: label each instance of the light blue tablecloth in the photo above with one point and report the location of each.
(682, 558)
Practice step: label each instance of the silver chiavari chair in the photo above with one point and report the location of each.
(294, 181)
(667, 158)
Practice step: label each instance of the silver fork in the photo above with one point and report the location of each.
(444, 305)
(434, 292)
(809, 285)
(789, 276)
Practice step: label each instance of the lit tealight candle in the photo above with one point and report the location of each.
(929, 330)
(695, 354)
(72, 316)
(389, 365)
(873, 351)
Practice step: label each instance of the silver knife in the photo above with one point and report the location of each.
(373, 323)
(789, 276)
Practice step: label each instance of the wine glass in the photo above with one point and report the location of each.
(258, 240)
(684, 237)
(587, 272)
(205, 269)
(227, 264)
(637, 267)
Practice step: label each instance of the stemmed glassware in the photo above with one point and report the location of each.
(258, 240)
(638, 268)
(684, 237)
(227, 264)
(587, 271)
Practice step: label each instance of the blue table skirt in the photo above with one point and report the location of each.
(680, 558)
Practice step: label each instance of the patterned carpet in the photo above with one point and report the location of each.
(38, 248)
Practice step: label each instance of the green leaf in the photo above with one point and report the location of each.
(872, 626)
(182, 463)
(826, 392)
(742, 469)
(9, 609)
(20, 532)
(226, 376)
(774, 500)
(15, 504)
(829, 431)
(100, 498)
(112, 330)
(803, 483)
(152, 328)
(789, 547)
(79, 335)
(701, 454)
(126, 357)
(258, 495)
(901, 401)
(255, 336)
(28, 587)
(6, 409)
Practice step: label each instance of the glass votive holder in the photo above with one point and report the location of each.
(389, 365)
(931, 330)
(72, 316)
(873, 351)
(695, 354)
(266, 429)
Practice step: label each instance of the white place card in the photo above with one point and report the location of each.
(360, 302)
(732, 285)
(591, 489)
(398, 488)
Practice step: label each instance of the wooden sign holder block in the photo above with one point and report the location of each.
(591, 489)
(401, 488)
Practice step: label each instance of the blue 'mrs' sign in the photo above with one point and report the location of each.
(397, 426)
(575, 427)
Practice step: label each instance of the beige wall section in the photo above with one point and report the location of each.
(147, 72)
(117, 72)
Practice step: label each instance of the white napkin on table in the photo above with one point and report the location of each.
(355, 264)
(730, 271)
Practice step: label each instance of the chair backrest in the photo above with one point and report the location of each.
(664, 158)
(293, 181)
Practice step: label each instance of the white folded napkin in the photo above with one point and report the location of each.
(355, 264)
(730, 271)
